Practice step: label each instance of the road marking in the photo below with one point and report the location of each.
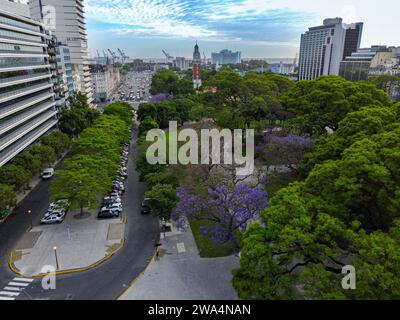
(12, 289)
(6, 298)
(18, 284)
(23, 279)
(9, 293)
(181, 247)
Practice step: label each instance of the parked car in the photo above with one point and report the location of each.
(51, 219)
(47, 173)
(145, 206)
(114, 206)
(108, 214)
(64, 204)
(56, 212)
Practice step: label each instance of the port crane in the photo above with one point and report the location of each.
(168, 56)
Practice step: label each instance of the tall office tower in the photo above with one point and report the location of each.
(65, 18)
(27, 106)
(322, 48)
(226, 57)
(196, 67)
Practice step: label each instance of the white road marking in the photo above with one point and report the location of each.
(6, 298)
(181, 247)
(23, 279)
(8, 293)
(18, 284)
(12, 289)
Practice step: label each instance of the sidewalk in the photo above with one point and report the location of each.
(80, 244)
(180, 273)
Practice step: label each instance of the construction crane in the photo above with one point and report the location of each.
(168, 56)
(113, 55)
(98, 54)
(124, 57)
(105, 54)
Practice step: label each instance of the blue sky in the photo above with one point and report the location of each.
(258, 28)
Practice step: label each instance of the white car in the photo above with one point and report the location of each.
(113, 207)
(51, 219)
(47, 173)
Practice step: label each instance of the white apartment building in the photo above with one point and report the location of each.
(322, 48)
(66, 19)
(27, 105)
(105, 81)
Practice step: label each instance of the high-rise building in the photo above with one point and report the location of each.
(367, 62)
(196, 67)
(27, 106)
(181, 63)
(225, 57)
(67, 21)
(65, 68)
(322, 48)
(106, 79)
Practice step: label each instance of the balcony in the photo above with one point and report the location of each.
(22, 144)
(22, 54)
(21, 105)
(6, 82)
(25, 116)
(4, 97)
(14, 136)
(18, 67)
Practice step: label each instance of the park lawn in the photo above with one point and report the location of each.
(207, 248)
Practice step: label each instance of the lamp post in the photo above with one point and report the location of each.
(55, 254)
(30, 218)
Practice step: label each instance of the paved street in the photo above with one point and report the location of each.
(180, 274)
(109, 279)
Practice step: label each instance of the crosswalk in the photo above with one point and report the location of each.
(14, 288)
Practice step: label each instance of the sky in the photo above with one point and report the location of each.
(258, 28)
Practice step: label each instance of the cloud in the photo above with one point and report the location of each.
(211, 20)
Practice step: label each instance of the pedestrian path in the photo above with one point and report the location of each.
(14, 288)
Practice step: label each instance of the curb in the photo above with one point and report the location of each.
(137, 278)
(63, 272)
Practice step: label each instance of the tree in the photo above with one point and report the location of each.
(146, 125)
(7, 196)
(30, 162)
(167, 82)
(78, 116)
(162, 199)
(228, 211)
(16, 176)
(328, 99)
(121, 109)
(80, 187)
(45, 154)
(57, 140)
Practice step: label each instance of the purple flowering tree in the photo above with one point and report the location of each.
(225, 211)
(284, 150)
(161, 97)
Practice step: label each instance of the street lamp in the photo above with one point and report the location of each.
(30, 218)
(55, 254)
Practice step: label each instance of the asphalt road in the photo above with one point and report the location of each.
(109, 279)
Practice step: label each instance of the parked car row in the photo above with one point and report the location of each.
(56, 212)
(111, 206)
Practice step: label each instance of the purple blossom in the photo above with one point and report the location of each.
(161, 97)
(227, 211)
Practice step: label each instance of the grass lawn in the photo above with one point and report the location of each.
(207, 248)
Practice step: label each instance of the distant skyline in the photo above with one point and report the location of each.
(258, 28)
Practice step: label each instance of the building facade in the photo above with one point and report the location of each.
(65, 68)
(322, 48)
(27, 104)
(368, 62)
(196, 67)
(65, 18)
(225, 57)
(106, 79)
(182, 63)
